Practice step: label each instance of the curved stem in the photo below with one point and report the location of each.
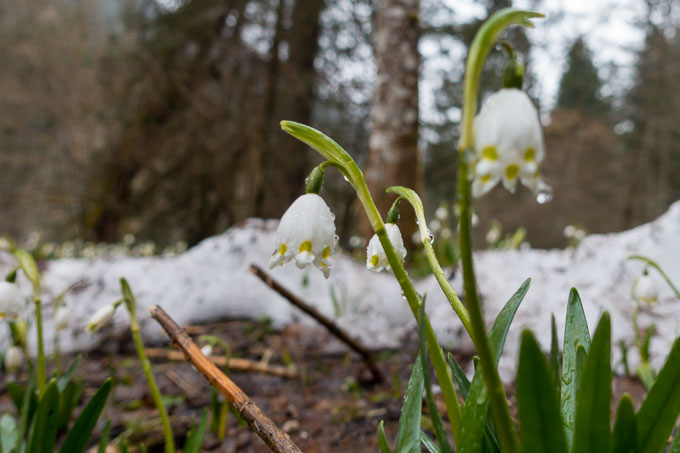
(482, 44)
(658, 268)
(148, 373)
(412, 197)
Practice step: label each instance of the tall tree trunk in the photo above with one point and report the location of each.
(288, 158)
(393, 156)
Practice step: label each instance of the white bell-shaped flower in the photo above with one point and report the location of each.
(307, 234)
(14, 358)
(61, 318)
(645, 290)
(376, 260)
(100, 318)
(508, 142)
(11, 300)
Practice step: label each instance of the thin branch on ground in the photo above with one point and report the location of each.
(263, 426)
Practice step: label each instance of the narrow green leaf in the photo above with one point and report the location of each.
(408, 436)
(16, 393)
(195, 438)
(555, 354)
(382, 439)
(624, 438)
(539, 410)
(660, 410)
(9, 434)
(434, 413)
(77, 438)
(44, 426)
(429, 443)
(104, 440)
(64, 379)
(591, 421)
(124, 446)
(68, 400)
(476, 409)
(575, 333)
(459, 376)
(28, 405)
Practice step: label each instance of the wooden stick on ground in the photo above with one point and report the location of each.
(333, 328)
(233, 364)
(276, 440)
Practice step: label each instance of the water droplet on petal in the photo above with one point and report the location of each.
(429, 233)
(544, 194)
(345, 178)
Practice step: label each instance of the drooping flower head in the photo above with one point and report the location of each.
(645, 289)
(61, 318)
(101, 317)
(11, 300)
(508, 142)
(306, 233)
(376, 260)
(14, 358)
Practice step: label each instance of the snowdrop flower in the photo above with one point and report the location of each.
(508, 142)
(307, 233)
(11, 301)
(376, 260)
(645, 290)
(100, 318)
(441, 213)
(14, 358)
(61, 318)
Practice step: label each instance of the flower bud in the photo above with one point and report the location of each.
(11, 300)
(376, 259)
(645, 290)
(100, 318)
(306, 233)
(508, 143)
(14, 358)
(61, 318)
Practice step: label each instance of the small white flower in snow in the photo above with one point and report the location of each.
(61, 318)
(376, 260)
(11, 300)
(508, 142)
(100, 318)
(441, 213)
(569, 231)
(14, 358)
(307, 233)
(645, 290)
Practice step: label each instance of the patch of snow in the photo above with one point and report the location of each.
(212, 281)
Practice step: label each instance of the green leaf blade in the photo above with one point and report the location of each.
(624, 438)
(575, 333)
(659, 411)
(77, 438)
(591, 420)
(382, 439)
(44, 427)
(539, 410)
(408, 436)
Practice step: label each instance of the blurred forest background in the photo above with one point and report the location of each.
(161, 118)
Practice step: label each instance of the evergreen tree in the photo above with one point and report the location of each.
(581, 85)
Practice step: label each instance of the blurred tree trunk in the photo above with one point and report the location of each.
(393, 156)
(286, 166)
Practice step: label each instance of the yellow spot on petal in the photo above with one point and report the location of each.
(490, 153)
(283, 248)
(305, 247)
(326, 253)
(511, 171)
(530, 155)
(485, 178)
(375, 260)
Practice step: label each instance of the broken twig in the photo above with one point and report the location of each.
(232, 364)
(276, 440)
(333, 328)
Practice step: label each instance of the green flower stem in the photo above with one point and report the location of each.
(658, 268)
(146, 366)
(484, 40)
(412, 197)
(41, 375)
(340, 158)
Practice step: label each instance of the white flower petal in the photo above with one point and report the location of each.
(376, 259)
(645, 290)
(11, 300)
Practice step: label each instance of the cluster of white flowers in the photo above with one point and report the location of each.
(573, 232)
(11, 300)
(508, 143)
